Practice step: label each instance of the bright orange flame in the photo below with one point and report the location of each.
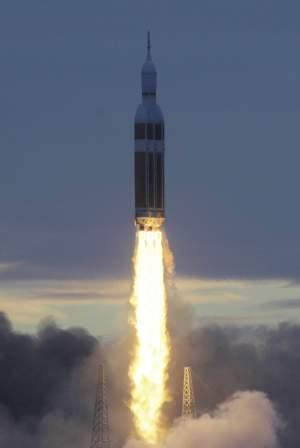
(148, 371)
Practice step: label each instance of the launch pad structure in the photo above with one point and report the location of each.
(188, 396)
(100, 437)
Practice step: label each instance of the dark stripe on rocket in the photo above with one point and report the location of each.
(149, 170)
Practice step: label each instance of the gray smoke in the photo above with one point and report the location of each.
(48, 385)
(45, 386)
(48, 380)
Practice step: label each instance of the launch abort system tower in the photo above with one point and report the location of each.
(149, 153)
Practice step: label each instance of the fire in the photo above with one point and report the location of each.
(148, 370)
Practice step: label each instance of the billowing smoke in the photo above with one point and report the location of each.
(248, 420)
(47, 385)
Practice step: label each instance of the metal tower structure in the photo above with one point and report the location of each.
(100, 429)
(188, 397)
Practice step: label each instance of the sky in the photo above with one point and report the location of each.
(228, 75)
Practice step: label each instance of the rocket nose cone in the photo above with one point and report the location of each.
(148, 77)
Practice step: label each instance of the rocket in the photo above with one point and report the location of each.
(149, 152)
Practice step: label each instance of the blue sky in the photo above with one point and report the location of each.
(228, 80)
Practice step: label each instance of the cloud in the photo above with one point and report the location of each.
(213, 301)
(213, 290)
(9, 266)
(110, 290)
(48, 385)
(282, 304)
(248, 419)
(28, 312)
(33, 369)
(36, 376)
(29, 301)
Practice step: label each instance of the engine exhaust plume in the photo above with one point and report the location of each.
(148, 370)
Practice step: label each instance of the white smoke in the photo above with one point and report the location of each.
(246, 420)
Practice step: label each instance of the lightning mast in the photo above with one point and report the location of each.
(100, 429)
(188, 397)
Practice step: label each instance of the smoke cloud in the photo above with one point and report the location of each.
(246, 420)
(48, 383)
(45, 386)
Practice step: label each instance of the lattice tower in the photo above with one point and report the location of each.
(188, 397)
(100, 429)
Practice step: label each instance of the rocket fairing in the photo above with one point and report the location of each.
(149, 130)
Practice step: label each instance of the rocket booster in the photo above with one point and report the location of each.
(149, 130)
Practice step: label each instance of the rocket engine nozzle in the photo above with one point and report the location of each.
(149, 223)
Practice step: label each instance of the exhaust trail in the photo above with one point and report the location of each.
(148, 370)
(149, 366)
